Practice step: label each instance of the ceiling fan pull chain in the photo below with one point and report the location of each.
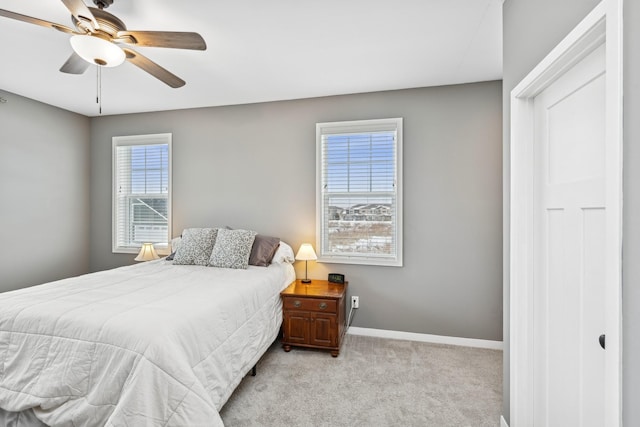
(99, 88)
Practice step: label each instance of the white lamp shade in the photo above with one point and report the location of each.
(147, 253)
(306, 253)
(97, 51)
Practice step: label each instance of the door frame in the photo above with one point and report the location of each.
(602, 25)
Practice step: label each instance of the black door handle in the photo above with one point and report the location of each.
(601, 339)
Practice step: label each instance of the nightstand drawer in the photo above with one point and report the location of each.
(311, 304)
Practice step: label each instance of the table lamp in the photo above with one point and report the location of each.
(147, 253)
(306, 254)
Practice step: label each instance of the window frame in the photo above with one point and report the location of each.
(139, 140)
(359, 126)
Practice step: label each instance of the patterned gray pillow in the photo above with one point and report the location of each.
(196, 246)
(232, 248)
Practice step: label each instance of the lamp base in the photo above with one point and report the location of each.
(305, 280)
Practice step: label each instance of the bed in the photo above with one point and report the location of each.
(153, 344)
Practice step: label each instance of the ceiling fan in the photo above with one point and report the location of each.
(98, 35)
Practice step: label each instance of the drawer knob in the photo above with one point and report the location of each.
(297, 303)
(322, 305)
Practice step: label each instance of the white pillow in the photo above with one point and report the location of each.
(175, 243)
(284, 253)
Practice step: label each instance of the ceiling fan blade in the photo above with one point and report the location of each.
(154, 69)
(36, 21)
(75, 65)
(82, 13)
(172, 39)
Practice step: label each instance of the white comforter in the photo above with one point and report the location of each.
(147, 345)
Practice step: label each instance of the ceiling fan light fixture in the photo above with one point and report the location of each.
(96, 50)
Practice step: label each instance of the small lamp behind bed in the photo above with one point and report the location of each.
(147, 253)
(306, 254)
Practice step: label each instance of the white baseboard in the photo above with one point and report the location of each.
(436, 339)
(503, 423)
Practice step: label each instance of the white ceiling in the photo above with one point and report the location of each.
(259, 51)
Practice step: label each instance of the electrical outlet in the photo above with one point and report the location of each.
(355, 302)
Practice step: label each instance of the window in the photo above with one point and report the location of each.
(141, 192)
(359, 194)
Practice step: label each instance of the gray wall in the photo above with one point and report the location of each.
(531, 30)
(253, 166)
(44, 195)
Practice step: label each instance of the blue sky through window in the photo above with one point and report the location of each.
(149, 169)
(360, 163)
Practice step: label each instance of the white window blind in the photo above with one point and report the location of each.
(359, 216)
(141, 192)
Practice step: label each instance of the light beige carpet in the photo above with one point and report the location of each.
(374, 382)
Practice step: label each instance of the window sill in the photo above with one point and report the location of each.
(361, 261)
(159, 250)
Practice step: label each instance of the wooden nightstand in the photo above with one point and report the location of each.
(314, 315)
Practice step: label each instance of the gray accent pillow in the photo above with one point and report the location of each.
(196, 246)
(232, 248)
(263, 250)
